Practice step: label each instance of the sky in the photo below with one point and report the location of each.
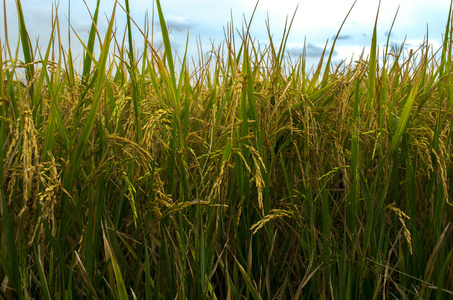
(315, 22)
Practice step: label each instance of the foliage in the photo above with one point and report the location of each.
(248, 177)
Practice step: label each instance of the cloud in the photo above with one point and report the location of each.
(295, 51)
(343, 37)
(311, 50)
(179, 23)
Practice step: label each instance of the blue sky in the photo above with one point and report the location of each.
(315, 21)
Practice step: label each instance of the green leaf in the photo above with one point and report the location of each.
(122, 292)
(11, 247)
(42, 276)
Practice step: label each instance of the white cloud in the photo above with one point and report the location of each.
(311, 50)
(179, 23)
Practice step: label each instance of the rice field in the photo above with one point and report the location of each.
(250, 176)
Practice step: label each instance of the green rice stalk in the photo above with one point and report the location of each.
(76, 157)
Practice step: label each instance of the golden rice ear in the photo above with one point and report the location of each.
(401, 216)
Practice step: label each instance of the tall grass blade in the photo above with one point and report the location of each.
(83, 137)
(250, 286)
(326, 71)
(166, 38)
(26, 45)
(404, 118)
(122, 292)
(11, 247)
(87, 60)
(132, 68)
(42, 277)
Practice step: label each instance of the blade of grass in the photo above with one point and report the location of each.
(76, 157)
(326, 70)
(133, 76)
(404, 118)
(11, 247)
(371, 88)
(250, 286)
(122, 292)
(87, 60)
(168, 49)
(26, 46)
(148, 286)
(42, 276)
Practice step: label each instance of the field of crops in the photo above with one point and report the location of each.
(250, 176)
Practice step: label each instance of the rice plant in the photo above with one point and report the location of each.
(246, 176)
